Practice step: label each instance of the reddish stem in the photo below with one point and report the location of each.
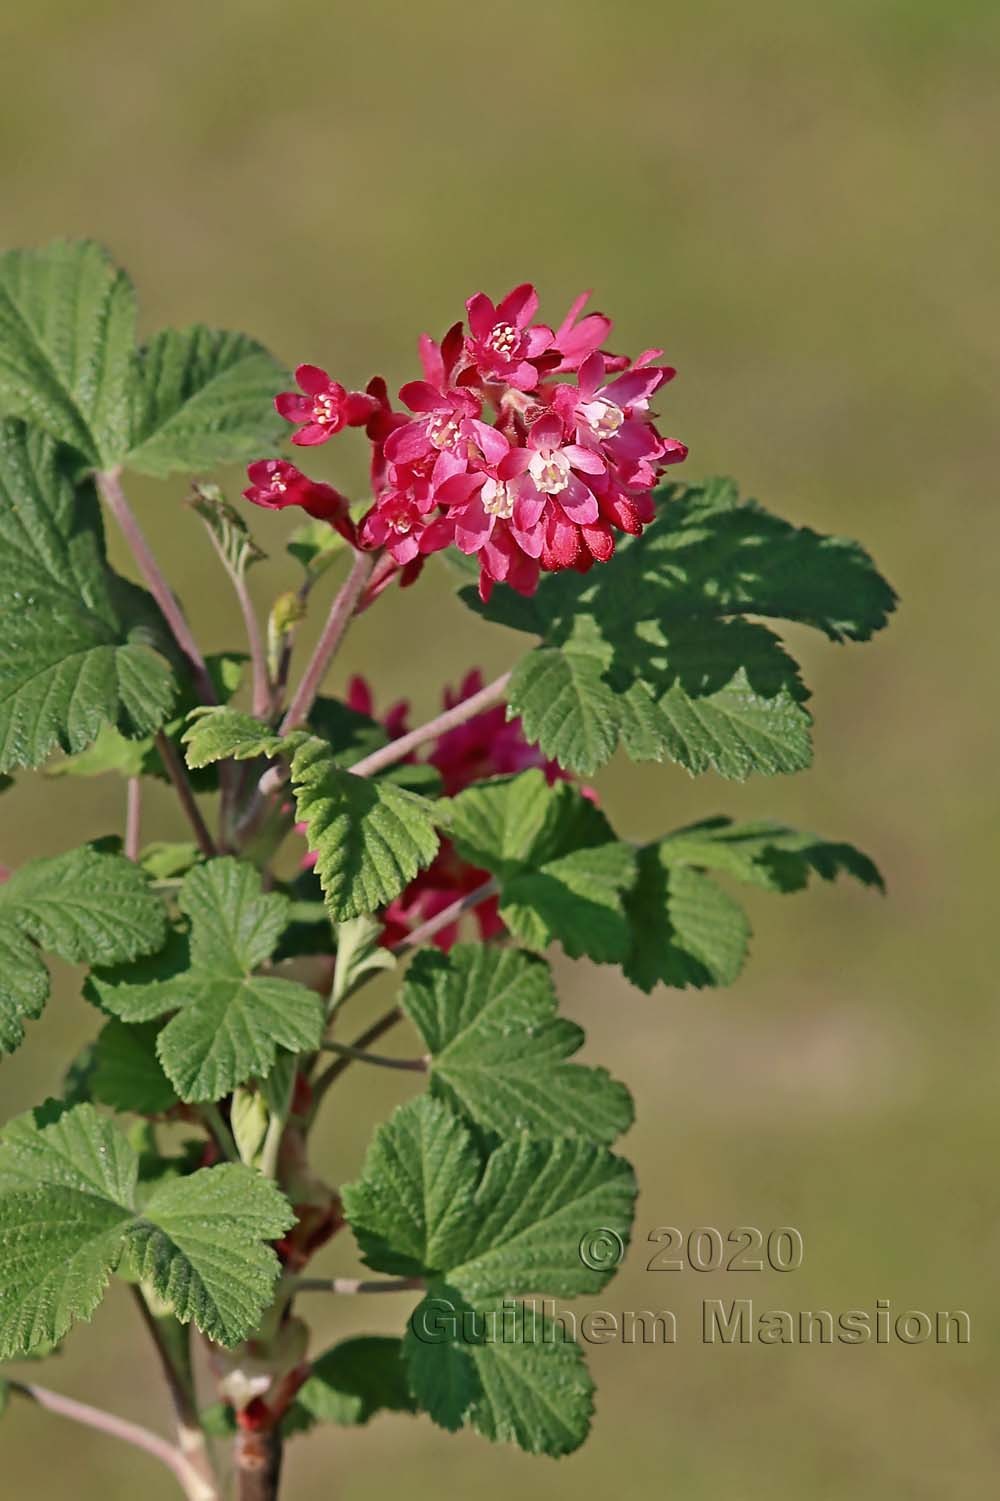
(341, 611)
(109, 485)
(450, 719)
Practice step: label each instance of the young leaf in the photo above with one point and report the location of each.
(370, 837)
(499, 1052)
(508, 1372)
(217, 734)
(75, 652)
(562, 873)
(356, 1379)
(229, 1021)
(86, 906)
(67, 339)
(229, 529)
(653, 650)
(202, 397)
(428, 1204)
(70, 1212)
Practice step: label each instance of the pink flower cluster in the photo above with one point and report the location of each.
(487, 745)
(526, 446)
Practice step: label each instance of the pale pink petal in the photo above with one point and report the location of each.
(585, 459)
(493, 443)
(473, 527)
(547, 432)
(579, 503)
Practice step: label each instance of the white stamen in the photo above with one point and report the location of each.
(603, 418)
(498, 499)
(503, 339)
(549, 468)
(442, 432)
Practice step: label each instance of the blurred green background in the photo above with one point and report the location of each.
(799, 201)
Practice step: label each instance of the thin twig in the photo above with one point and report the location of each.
(380, 1060)
(194, 1487)
(255, 641)
(220, 1133)
(398, 750)
(351, 1285)
(109, 485)
(450, 914)
(360, 1044)
(180, 1384)
(133, 817)
(175, 771)
(339, 618)
(385, 1023)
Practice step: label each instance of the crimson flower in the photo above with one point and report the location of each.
(275, 484)
(322, 406)
(526, 447)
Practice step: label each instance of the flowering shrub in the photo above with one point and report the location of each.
(446, 859)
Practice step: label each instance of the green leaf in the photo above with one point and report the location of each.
(508, 1372)
(567, 707)
(429, 1204)
(767, 854)
(652, 650)
(370, 837)
(229, 1021)
(111, 752)
(686, 930)
(498, 1050)
(201, 1243)
(126, 1072)
(561, 871)
(203, 397)
(70, 1214)
(356, 1379)
(229, 529)
(76, 642)
(88, 907)
(217, 734)
(67, 336)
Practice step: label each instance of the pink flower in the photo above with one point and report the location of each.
(275, 484)
(322, 407)
(503, 343)
(527, 448)
(575, 340)
(438, 428)
(487, 745)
